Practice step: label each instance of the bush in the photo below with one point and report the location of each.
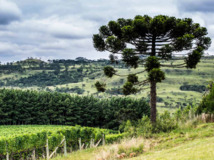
(144, 127)
(164, 123)
(110, 138)
(131, 146)
(207, 104)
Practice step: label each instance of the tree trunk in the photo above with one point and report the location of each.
(153, 96)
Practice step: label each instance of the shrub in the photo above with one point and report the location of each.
(131, 146)
(130, 129)
(144, 127)
(207, 104)
(165, 123)
(110, 138)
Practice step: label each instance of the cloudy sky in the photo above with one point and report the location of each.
(63, 29)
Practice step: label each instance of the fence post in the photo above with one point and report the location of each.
(80, 145)
(104, 139)
(91, 143)
(7, 156)
(34, 154)
(47, 149)
(65, 147)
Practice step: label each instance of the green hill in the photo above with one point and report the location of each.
(181, 87)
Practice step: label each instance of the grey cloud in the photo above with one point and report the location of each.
(53, 29)
(9, 12)
(67, 36)
(196, 6)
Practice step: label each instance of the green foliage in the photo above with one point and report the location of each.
(56, 72)
(128, 88)
(100, 86)
(145, 34)
(131, 149)
(184, 42)
(14, 139)
(183, 115)
(144, 127)
(129, 128)
(151, 63)
(193, 58)
(156, 75)
(114, 44)
(76, 89)
(132, 78)
(197, 88)
(48, 79)
(130, 58)
(165, 52)
(109, 71)
(111, 138)
(32, 107)
(164, 123)
(99, 43)
(207, 104)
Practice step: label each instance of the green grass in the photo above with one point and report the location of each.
(186, 143)
(199, 149)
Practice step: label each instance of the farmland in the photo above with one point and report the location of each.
(25, 139)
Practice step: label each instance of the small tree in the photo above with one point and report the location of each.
(146, 41)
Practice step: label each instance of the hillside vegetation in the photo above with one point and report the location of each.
(181, 87)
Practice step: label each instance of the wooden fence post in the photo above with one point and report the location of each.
(34, 154)
(80, 145)
(7, 156)
(104, 140)
(91, 143)
(65, 147)
(47, 149)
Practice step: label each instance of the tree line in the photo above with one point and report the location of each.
(31, 107)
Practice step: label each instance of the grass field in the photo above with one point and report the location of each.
(182, 144)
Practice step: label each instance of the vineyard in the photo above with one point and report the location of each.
(37, 141)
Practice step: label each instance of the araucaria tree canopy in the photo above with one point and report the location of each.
(146, 41)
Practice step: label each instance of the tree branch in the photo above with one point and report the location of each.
(173, 66)
(142, 83)
(127, 75)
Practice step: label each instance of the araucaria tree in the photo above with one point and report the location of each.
(148, 41)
